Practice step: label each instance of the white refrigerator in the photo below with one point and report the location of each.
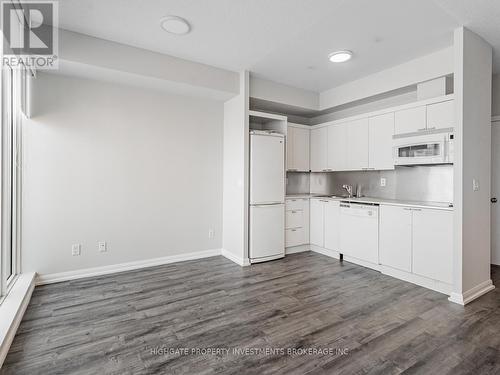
(267, 196)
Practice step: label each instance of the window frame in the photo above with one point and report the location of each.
(12, 81)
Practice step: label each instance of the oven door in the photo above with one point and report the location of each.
(429, 149)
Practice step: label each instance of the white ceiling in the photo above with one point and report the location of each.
(288, 41)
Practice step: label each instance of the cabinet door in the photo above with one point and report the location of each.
(357, 143)
(294, 219)
(433, 244)
(441, 115)
(337, 147)
(395, 237)
(301, 143)
(380, 132)
(316, 229)
(306, 216)
(319, 144)
(295, 237)
(290, 136)
(332, 225)
(410, 120)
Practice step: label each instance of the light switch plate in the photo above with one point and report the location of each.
(383, 181)
(475, 185)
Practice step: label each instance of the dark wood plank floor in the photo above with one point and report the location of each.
(362, 321)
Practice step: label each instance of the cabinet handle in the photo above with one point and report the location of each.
(294, 212)
(407, 209)
(294, 230)
(416, 209)
(423, 129)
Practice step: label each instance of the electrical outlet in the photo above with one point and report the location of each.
(211, 233)
(76, 249)
(383, 181)
(475, 185)
(102, 247)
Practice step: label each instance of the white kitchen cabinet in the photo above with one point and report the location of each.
(298, 143)
(380, 132)
(331, 225)
(337, 147)
(433, 244)
(294, 219)
(410, 120)
(441, 115)
(295, 237)
(296, 222)
(395, 237)
(317, 222)
(319, 149)
(357, 144)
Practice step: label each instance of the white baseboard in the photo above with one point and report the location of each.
(12, 311)
(240, 261)
(129, 266)
(435, 285)
(297, 249)
(470, 295)
(322, 250)
(361, 262)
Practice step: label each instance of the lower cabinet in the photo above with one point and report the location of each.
(296, 222)
(325, 223)
(317, 221)
(417, 240)
(331, 224)
(395, 229)
(433, 244)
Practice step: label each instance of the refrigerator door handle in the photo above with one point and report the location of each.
(267, 204)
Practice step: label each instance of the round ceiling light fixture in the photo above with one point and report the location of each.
(340, 56)
(175, 25)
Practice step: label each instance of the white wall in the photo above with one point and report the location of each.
(87, 55)
(235, 170)
(495, 102)
(472, 82)
(422, 69)
(279, 93)
(139, 169)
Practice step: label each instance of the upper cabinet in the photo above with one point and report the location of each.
(357, 143)
(433, 116)
(366, 142)
(410, 120)
(298, 141)
(337, 147)
(441, 115)
(380, 132)
(319, 149)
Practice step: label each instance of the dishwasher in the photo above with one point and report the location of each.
(359, 231)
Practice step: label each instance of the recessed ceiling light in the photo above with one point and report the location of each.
(340, 56)
(175, 25)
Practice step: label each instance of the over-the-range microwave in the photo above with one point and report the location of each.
(418, 149)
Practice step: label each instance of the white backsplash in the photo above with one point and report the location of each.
(419, 183)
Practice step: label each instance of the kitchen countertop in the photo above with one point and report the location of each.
(380, 201)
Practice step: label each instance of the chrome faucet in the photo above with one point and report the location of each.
(349, 189)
